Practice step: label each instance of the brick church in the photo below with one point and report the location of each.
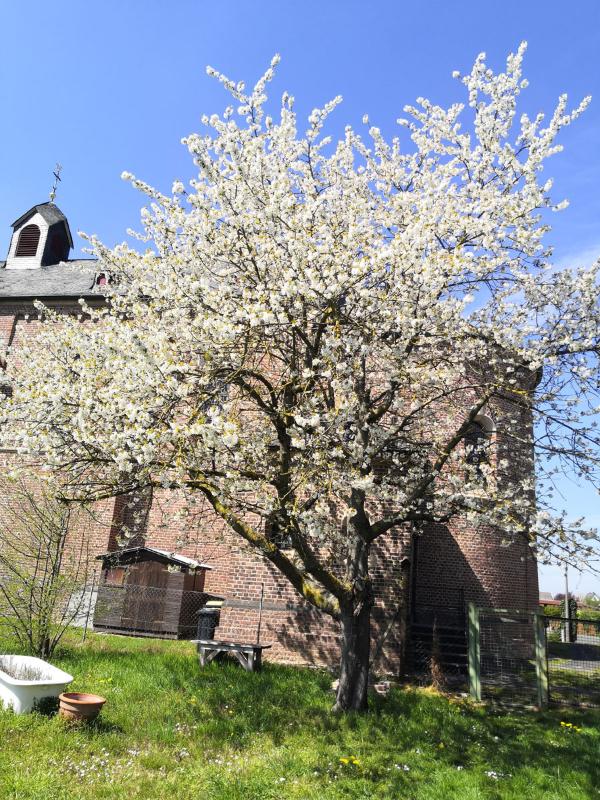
(420, 578)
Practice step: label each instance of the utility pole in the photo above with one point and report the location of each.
(567, 624)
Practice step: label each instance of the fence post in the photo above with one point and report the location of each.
(89, 608)
(541, 659)
(474, 654)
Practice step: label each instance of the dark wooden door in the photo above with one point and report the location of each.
(145, 597)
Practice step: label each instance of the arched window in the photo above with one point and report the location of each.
(29, 238)
(477, 439)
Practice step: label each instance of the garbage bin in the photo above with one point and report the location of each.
(208, 619)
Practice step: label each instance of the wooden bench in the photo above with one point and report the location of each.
(249, 655)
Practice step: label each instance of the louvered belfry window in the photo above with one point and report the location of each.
(29, 239)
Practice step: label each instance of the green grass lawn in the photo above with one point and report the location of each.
(170, 730)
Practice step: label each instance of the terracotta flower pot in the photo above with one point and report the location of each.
(79, 706)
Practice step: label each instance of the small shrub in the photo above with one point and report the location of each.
(438, 678)
(42, 580)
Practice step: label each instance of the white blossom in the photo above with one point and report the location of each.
(313, 332)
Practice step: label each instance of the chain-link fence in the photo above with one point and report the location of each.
(507, 658)
(148, 610)
(573, 660)
(522, 657)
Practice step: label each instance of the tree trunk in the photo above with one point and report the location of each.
(354, 664)
(45, 649)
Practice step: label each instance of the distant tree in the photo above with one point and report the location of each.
(316, 328)
(591, 600)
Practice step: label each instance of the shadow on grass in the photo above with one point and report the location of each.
(154, 687)
(474, 735)
(47, 706)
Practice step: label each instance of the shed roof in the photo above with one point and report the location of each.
(130, 555)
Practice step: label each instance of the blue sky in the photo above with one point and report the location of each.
(112, 86)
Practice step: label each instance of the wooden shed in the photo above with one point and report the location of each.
(144, 591)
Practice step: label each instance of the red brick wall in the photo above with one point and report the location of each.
(452, 561)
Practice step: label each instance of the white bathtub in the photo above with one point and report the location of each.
(21, 695)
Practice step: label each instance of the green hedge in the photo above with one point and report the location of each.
(588, 613)
(582, 613)
(552, 611)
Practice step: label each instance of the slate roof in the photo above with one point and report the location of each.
(135, 554)
(51, 213)
(74, 278)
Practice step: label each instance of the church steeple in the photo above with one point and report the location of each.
(41, 237)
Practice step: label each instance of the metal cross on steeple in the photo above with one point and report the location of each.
(57, 179)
